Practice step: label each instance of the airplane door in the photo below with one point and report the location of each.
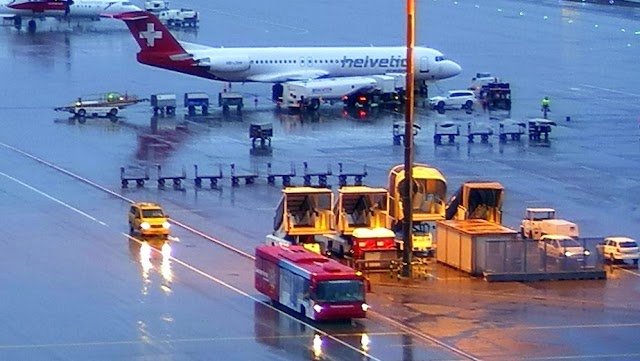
(424, 64)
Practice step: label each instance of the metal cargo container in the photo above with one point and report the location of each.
(461, 244)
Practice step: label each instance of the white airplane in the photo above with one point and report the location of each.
(277, 64)
(61, 9)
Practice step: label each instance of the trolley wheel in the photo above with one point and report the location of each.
(113, 111)
(124, 183)
(140, 182)
(161, 182)
(81, 112)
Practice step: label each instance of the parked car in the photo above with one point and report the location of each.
(619, 249)
(562, 247)
(454, 99)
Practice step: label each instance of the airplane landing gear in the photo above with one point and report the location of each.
(31, 26)
(423, 90)
(276, 92)
(17, 22)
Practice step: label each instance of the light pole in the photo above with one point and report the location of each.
(407, 198)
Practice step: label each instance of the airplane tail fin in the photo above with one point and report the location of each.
(152, 36)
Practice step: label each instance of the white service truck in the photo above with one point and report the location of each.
(172, 17)
(310, 94)
(540, 221)
(353, 91)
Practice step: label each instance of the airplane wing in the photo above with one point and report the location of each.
(289, 76)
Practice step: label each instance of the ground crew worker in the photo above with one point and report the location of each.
(546, 102)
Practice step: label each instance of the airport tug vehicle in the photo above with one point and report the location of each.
(106, 105)
(538, 222)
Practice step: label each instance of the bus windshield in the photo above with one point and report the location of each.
(340, 291)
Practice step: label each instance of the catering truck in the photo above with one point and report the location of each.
(315, 286)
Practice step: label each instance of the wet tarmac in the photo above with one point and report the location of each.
(74, 286)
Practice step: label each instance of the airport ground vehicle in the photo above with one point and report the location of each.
(302, 214)
(148, 220)
(481, 79)
(100, 105)
(561, 247)
(360, 219)
(356, 91)
(429, 192)
(617, 249)
(182, 17)
(453, 99)
(313, 285)
(540, 221)
(496, 97)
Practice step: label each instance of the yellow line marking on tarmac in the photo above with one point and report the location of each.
(633, 356)
(628, 271)
(176, 340)
(560, 327)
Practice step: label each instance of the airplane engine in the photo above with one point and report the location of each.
(226, 63)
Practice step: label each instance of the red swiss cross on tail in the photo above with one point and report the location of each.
(151, 34)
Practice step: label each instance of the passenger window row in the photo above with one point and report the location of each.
(323, 61)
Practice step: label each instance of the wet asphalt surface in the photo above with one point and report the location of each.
(73, 285)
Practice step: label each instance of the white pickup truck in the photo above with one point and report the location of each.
(540, 221)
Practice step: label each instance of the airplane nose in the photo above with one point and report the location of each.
(452, 69)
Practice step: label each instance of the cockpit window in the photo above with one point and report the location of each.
(440, 58)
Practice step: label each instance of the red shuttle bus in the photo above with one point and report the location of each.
(306, 282)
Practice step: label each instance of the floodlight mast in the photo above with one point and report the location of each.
(407, 197)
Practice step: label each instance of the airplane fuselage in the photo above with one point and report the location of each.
(279, 64)
(79, 8)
